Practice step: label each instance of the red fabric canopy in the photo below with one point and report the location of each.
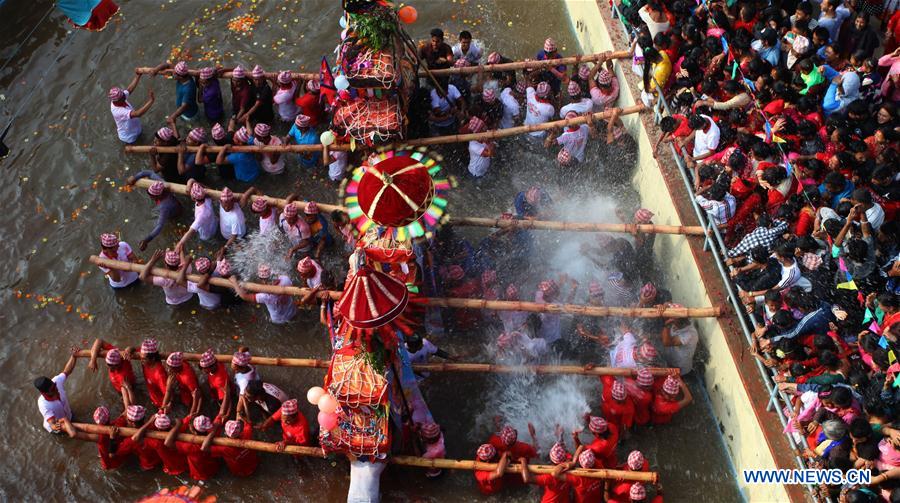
(372, 299)
(395, 191)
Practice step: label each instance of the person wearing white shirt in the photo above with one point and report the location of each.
(574, 138)
(268, 216)
(208, 299)
(128, 120)
(442, 119)
(175, 289)
(511, 109)
(338, 166)
(654, 17)
(231, 218)
(874, 211)
(205, 223)
(281, 307)
(53, 402)
(467, 49)
(706, 136)
(580, 103)
(114, 249)
(680, 338)
(538, 107)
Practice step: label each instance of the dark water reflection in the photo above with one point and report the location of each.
(60, 187)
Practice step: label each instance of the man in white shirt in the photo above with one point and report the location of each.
(281, 306)
(231, 217)
(208, 299)
(53, 402)
(467, 49)
(574, 138)
(205, 223)
(874, 211)
(538, 107)
(679, 338)
(268, 216)
(706, 136)
(480, 153)
(296, 229)
(114, 249)
(511, 109)
(128, 120)
(579, 102)
(175, 289)
(442, 118)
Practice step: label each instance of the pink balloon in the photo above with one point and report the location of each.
(314, 394)
(327, 421)
(327, 404)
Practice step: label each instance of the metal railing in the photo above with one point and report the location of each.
(715, 244)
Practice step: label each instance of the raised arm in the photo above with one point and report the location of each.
(151, 97)
(245, 197)
(146, 274)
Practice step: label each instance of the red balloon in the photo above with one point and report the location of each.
(327, 421)
(408, 14)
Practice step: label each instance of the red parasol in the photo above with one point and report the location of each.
(395, 191)
(372, 299)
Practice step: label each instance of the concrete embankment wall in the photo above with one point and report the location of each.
(740, 424)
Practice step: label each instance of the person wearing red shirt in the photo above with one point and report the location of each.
(201, 463)
(294, 428)
(587, 489)
(121, 373)
(221, 386)
(148, 457)
(619, 491)
(183, 377)
(154, 371)
(556, 487)
(508, 441)
(666, 402)
(241, 462)
(490, 481)
(606, 438)
(174, 463)
(310, 103)
(620, 409)
(111, 456)
(641, 392)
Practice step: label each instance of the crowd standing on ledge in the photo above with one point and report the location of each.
(786, 113)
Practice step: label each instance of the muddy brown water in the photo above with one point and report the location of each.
(60, 187)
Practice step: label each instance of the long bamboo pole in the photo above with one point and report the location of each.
(500, 67)
(549, 225)
(458, 303)
(430, 367)
(419, 142)
(316, 452)
(519, 65)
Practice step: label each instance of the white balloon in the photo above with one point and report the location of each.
(327, 138)
(343, 22)
(341, 82)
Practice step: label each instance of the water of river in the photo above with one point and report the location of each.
(61, 188)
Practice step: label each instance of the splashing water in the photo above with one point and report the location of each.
(544, 401)
(255, 249)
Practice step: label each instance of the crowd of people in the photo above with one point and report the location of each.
(786, 113)
(452, 266)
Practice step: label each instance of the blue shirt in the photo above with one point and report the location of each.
(246, 167)
(309, 159)
(836, 199)
(186, 92)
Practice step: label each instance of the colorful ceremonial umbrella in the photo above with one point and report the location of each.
(399, 191)
(372, 299)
